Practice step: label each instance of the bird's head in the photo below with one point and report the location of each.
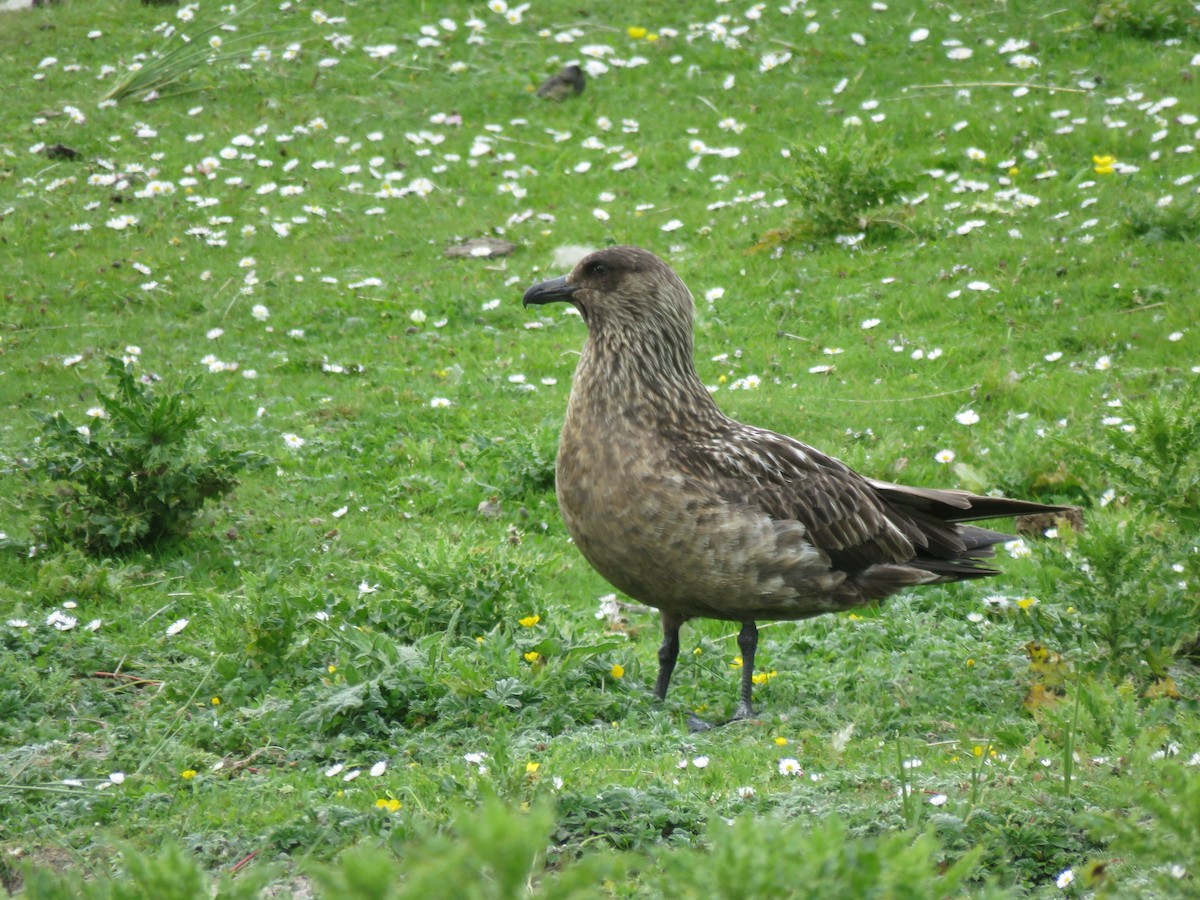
(623, 288)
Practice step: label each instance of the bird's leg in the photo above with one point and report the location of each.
(748, 644)
(667, 654)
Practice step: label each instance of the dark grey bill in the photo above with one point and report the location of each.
(552, 291)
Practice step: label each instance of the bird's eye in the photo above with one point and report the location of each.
(599, 269)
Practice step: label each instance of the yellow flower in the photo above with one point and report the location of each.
(1104, 164)
(764, 677)
(697, 651)
(1013, 171)
(636, 32)
(529, 621)
(532, 767)
(216, 701)
(532, 656)
(331, 668)
(781, 741)
(854, 617)
(1026, 602)
(391, 804)
(652, 38)
(188, 774)
(737, 663)
(970, 662)
(977, 750)
(617, 671)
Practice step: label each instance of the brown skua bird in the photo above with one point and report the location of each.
(695, 514)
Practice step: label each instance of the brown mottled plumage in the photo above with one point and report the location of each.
(695, 514)
(568, 82)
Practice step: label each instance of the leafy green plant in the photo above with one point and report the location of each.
(133, 477)
(842, 186)
(169, 872)
(1127, 574)
(494, 851)
(1174, 221)
(1150, 19)
(1162, 828)
(378, 682)
(1131, 610)
(519, 467)
(459, 587)
(754, 858)
(1156, 462)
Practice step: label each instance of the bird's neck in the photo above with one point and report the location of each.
(641, 378)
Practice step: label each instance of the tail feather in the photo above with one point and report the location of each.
(947, 548)
(957, 506)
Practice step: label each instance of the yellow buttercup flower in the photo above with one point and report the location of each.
(636, 32)
(532, 656)
(1104, 164)
(391, 804)
(617, 671)
(532, 767)
(188, 774)
(781, 741)
(529, 621)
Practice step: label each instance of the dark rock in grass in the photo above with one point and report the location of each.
(61, 151)
(569, 81)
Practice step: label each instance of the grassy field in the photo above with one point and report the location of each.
(953, 244)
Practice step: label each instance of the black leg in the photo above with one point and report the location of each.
(748, 644)
(667, 654)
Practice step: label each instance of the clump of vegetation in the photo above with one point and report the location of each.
(842, 187)
(164, 72)
(1166, 222)
(168, 872)
(1133, 609)
(135, 476)
(1151, 19)
(1156, 459)
(1132, 603)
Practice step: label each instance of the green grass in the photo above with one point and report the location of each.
(358, 599)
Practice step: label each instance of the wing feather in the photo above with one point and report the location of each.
(843, 513)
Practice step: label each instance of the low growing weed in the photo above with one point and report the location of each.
(136, 475)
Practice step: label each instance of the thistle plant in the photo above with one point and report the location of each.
(136, 474)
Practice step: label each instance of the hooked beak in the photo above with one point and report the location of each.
(552, 291)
